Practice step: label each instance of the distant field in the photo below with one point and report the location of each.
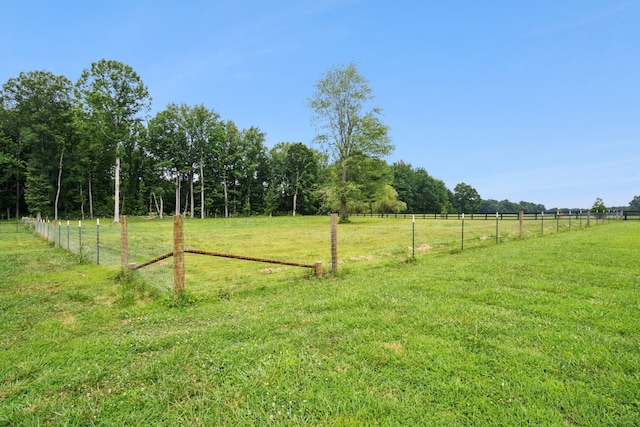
(365, 243)
(540, 331)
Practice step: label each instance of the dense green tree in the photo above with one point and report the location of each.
(388, 202)
(167, 144)
(295, 172)
(252, 170)
(404, 182)
(598, 206)
(420, 191)
(506, 206)
(199, 125)
(182, 138)
(301, 167)
(634, 204)
(226, 157)
(116, 99)
(466, 198)
(432, 195)
(39, 106)
(528, 207)
(347, 132)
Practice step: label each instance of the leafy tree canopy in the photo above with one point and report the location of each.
(345, 128)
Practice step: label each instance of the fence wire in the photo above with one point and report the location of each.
(365, 242)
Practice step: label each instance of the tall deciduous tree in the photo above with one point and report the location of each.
(344, 128)
(422, 192)
(466, 198)
(598, 206)
(388, 202)
(198, 124)
(227, 155)
(169, 147)
(41, 111)
(295, 170)
(116, 98)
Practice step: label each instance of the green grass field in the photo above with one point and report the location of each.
(538, 331)
(365, 243)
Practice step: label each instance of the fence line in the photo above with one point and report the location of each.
(145, 245)
(601, 216)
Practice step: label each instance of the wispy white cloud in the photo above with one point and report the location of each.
(585, 20)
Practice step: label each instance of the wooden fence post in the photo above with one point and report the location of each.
(334, 243)
(521, 219)
(178, 255)
(124, 241)
(318, 268)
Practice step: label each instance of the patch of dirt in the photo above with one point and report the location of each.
(105, 299)
(271, 270)
(420, 248)
(363, 258)
(66, 318)
(397, 347)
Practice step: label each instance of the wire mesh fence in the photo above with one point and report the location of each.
(224, 256)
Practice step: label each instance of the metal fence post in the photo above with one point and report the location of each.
(124, 241)
(98, 241)
(462, 247)
(413, 236)
(80, 238)
(334, 243)
(178, 255)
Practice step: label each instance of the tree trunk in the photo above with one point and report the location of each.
(202, 210)
(343, 196)
(116, 196)
(295, 200)
(192, 211)
(90, 198)
(186, 205)
(55, 207)
(226, 197)
(161, 206)
(343, 208)
(155, 201)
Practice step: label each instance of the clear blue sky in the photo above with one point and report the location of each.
(523, 100)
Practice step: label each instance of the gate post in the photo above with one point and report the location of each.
(178, 255)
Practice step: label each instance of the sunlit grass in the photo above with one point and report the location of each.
(364, 243)
(540, 331)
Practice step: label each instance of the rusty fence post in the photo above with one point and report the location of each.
(334, 243)
(178, 255)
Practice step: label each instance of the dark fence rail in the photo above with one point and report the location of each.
(631, 215)
(609, 215)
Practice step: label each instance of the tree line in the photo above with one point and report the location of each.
(89, 148)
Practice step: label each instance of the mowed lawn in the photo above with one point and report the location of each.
(541, 331)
